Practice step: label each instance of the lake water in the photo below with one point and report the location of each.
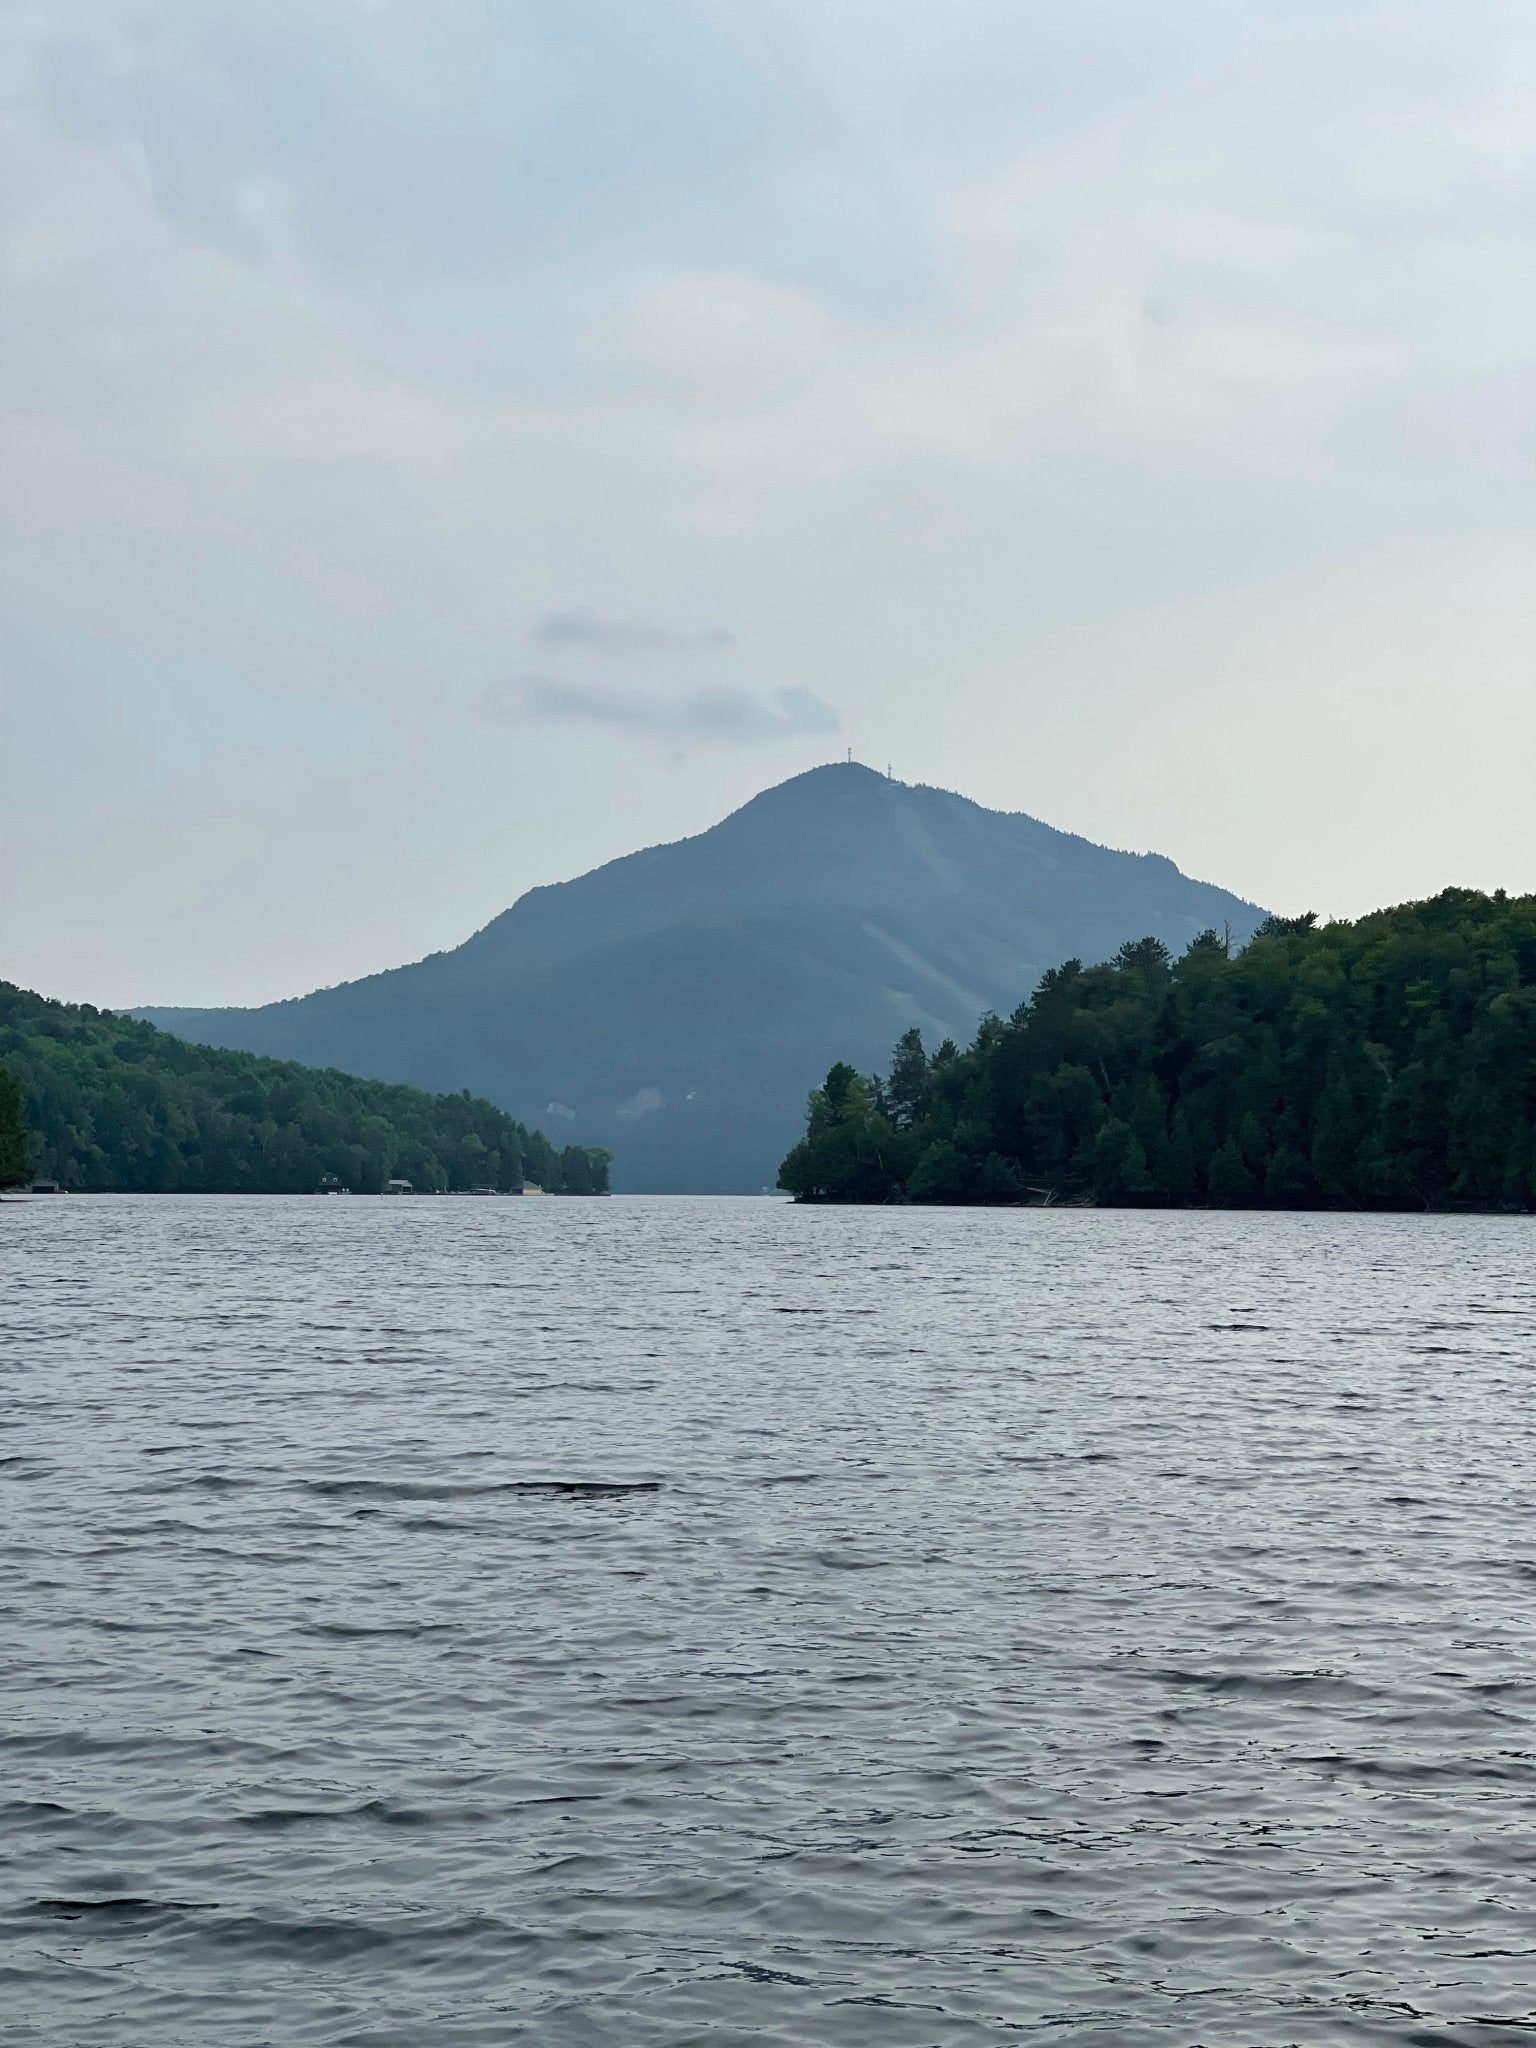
(708, 1622)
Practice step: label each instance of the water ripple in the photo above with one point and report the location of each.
(663, 1622)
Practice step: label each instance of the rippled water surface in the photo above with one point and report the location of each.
(639, 1622)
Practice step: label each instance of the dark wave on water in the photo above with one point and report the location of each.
(713, 1622)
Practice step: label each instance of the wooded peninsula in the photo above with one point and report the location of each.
(100, 1103)
(1388, 1063)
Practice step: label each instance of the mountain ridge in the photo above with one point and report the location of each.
(673, 1003)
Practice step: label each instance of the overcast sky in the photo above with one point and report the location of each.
(448, 443)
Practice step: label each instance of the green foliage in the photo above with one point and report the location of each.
(907, 1091)
(940, 1174)
(113, 1104)
(15, 1150)
(583, 1170)
(851, 1151)
(1386, 1064)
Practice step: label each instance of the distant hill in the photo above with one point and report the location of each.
(112, 1105)
(676, 1005)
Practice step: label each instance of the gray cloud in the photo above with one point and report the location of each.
(722, 711)
(335, 329)
(593, 634)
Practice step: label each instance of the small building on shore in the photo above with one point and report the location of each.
(398, 1187)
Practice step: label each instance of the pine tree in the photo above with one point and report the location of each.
(909, 1088)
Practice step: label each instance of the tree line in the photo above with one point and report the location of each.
(1388, 1063)
(101, 1103)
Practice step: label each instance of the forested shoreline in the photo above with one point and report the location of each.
(106, 1104)
(1388, 1063)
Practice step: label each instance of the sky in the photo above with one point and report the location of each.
(445, 444)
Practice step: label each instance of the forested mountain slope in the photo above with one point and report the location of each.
(111, 1104)
(1386, 1064)
(676, 1005)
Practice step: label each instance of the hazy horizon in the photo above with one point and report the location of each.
(450, 447)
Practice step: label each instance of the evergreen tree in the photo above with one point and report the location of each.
(1119, 1164)
(908, 1089)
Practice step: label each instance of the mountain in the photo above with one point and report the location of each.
(676, 1005)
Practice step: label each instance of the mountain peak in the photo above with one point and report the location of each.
(830, 773)
(679, 1002)
(832, 779)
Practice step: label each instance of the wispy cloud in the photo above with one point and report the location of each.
(721, 712)
(592, 634)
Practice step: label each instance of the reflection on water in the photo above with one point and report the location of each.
(709, 1621)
